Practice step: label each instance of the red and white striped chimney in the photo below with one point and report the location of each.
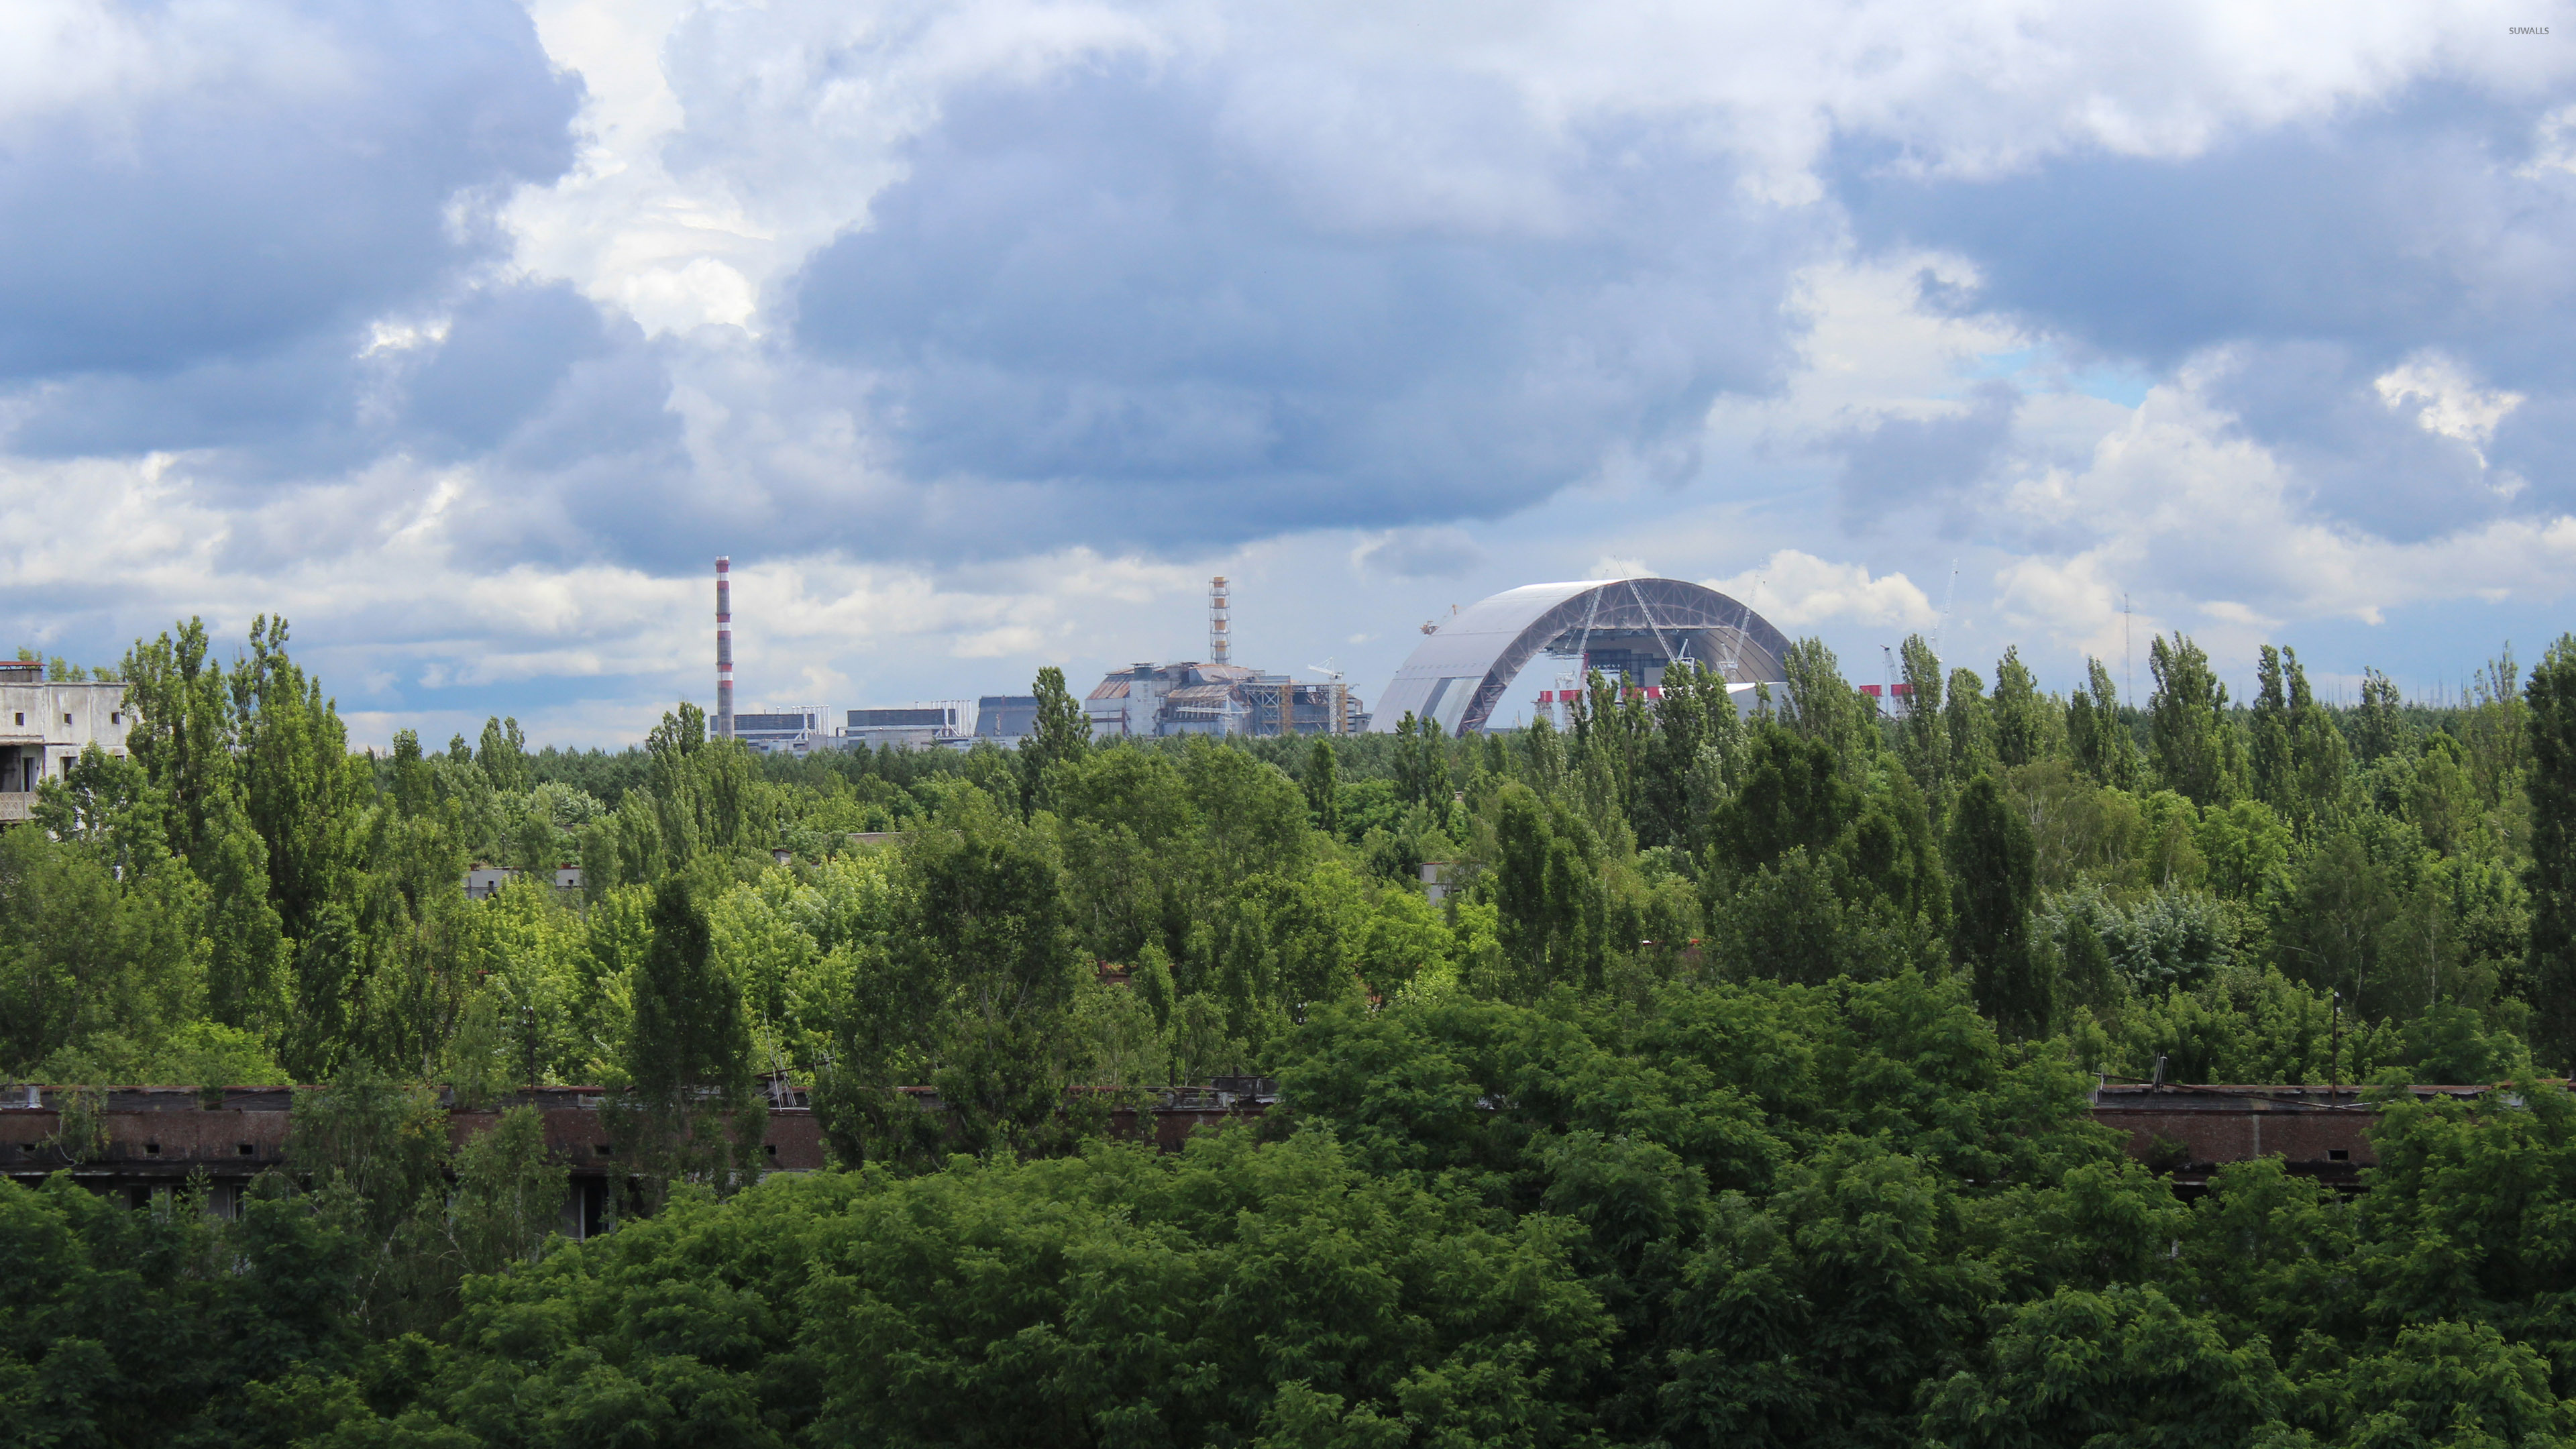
(724, 649)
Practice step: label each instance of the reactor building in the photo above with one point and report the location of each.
(1217, 696)
(1628, 629)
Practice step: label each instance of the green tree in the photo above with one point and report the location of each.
(2298, 760)
(509, 1193)
(2125, 1365)
(502, 754)
(1792, 794)
(2377, 728)
(374, 1150)
(2096, 734)
(2187, 720)
(1823, 707)
(2550, 699)
(1969, 724)
(248, 973)
(297, 783)
(2496, 730)
(987, 923)
(1994, 882)
(1925, 739)
(185, 734)
(182, 733)
(1323, 788)
(1548, 896)
(1788, 923)
(691, 1109)
(1062, 734)
(2020, 713)
(170, 1326)
(1695, 717)
(1521, 839)
(69, 974)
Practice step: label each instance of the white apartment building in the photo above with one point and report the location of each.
(43, 727)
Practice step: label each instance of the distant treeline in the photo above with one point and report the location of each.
(1732, 1092)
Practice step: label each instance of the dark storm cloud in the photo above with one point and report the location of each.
(1428, 553)
(2316, 406)
(1100, 285)
(197, 258)
(561, 407)
(1895, 463)
(2393, 228)
(504, 355)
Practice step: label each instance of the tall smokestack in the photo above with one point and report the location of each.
(724, 649)
(1220, 618)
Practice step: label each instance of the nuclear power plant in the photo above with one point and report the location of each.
(1213, 696)
(1217, 696)
(1456, 680)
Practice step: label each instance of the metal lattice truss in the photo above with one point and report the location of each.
(1459, 673)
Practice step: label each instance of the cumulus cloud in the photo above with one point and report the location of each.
(2218, 530)
(983, 331)
(2445, 400)
(204, 182)
(1099, 285)
(1798, 590)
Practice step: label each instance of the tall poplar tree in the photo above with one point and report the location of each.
(2187, 720)
(691, 1108)
(1968, 726)
(184, 734)
(2020, 713)
(2095, 733)
(2550, 724)
(303, 792)
(1926, 740)
(1323, 788)
(2376, 726)
(1993, 883)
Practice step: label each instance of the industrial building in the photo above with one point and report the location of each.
(1190, 698)
(1217, 697)
(45, 724)
(782, 732)
(1148, 700)
(1006, 719)
(1628, 629)
(947, 723)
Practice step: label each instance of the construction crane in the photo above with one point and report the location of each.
(1341, 724)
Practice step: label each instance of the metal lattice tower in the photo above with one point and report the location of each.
(1220, 623)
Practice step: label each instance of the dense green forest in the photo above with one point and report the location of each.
(1734, 1094)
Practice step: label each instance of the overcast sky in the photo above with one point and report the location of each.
(465, 335)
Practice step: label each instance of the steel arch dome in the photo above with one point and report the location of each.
(1458, 674)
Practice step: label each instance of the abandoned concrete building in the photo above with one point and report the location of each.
(44, 724)
(140, 1144)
